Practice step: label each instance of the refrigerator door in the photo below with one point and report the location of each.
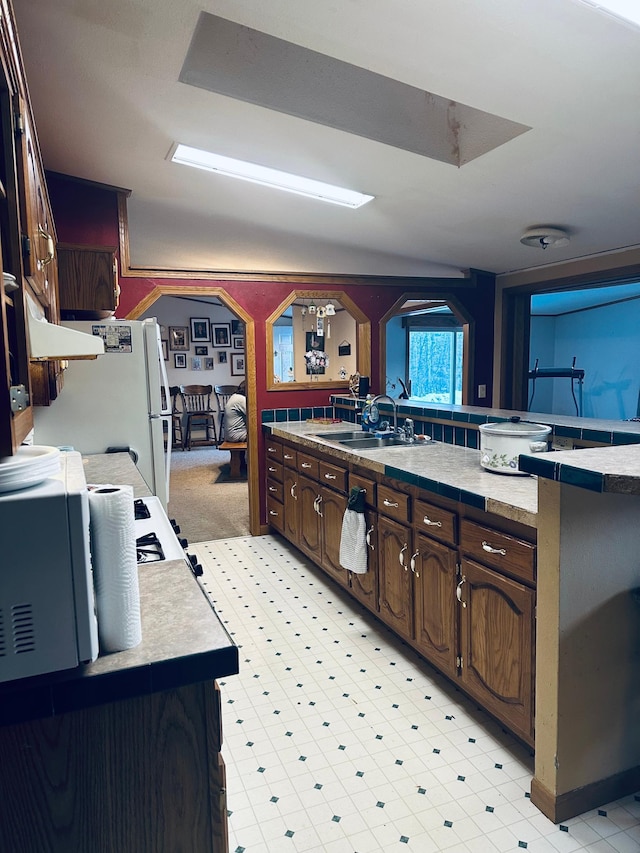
(108, 402)
(159, 410)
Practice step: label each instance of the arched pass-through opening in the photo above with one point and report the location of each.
(421, 312)
(250, 366)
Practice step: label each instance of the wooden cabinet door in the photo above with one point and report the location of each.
(395, 578)
(434, 586)
(496, 616)
(310, 530)
(291, 505)
(332, 506)
(87, 281)
(365, 587)
(38, 232)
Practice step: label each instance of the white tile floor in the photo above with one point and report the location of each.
(339, 739)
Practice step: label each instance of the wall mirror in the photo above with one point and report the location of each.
(317, 337)
(425, 342)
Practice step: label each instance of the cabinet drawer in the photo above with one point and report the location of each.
(392, 503)
(435, 521)
(498, 550)
(289, 457)
(369, 486)
(275, 514)
(274, 470)
(273, 449)
(332, 475)
(275, 489)
(308, 465)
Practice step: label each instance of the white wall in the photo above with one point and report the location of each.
(172, 311)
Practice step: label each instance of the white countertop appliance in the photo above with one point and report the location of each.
(116, 401)
(47, 608)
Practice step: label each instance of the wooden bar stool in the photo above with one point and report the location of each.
(223, 392)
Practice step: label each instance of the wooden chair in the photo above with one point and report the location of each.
(223, 392)
(196, 405)
(177, 434)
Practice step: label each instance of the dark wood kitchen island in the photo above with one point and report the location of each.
(124, 753)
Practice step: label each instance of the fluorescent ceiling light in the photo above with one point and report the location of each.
(627, 10)
(256, 174)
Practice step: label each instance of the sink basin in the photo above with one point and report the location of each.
(371, 442)
(341, 436)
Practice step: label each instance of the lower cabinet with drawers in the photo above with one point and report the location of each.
(454, 582)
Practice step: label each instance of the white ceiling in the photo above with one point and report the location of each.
(104, 81)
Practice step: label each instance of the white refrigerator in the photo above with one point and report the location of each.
(116, 400)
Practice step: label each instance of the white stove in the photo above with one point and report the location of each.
(156, 538)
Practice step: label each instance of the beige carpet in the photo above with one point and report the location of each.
(203, 500)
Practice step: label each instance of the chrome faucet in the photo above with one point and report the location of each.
(394, 406)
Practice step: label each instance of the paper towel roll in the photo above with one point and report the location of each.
(113, 552)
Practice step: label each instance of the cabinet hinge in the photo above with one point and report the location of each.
(459, 661)
(19, 398)
(458, 569)
(19, 123)
(26, 246)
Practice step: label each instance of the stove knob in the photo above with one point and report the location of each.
(197, 570)
(192, 559)
(183, 542)
(175, 525)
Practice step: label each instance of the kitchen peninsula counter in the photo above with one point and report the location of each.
(124, 753)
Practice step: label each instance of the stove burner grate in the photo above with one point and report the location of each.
(149, 549)
(140, 509)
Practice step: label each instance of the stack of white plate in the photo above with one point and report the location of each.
(30, 465)
(9, 281)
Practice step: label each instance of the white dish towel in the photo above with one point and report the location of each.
(353, 540)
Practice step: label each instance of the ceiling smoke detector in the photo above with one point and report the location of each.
(545, 238)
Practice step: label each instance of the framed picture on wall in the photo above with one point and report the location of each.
(202, 350)
(237, 364)
(179, 338)
(237, 328)
(220, 334)
(222, 357)
(165, 349)
(238, 343)
(179, 359)
(199, 329)
(208, 364)
(196, 363)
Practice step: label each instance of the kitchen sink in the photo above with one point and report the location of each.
(341, 436)
(370, 442)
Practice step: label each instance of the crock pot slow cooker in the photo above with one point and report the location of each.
(502, 443)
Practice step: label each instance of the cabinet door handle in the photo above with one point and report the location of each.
(426, 520)
(389, 503)
(330, 477)
(288, 456)
(306, 465)
(459, 591)
(293, 491)
(272, 489)
(486, 547)
(401, 557)
(50, 248)
(271, 449)
(271, 470)
(318, 502)
(271, 512)
(413, 563)
(368, 538)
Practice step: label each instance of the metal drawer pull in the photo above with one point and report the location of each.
(426, 520)
(486, 547)
(272, 469)
(307, 465)
(413, 563)
(272, 489)
(271, 512)
(459, 591)
(389, 503)
(271, 449)
(401, 557)
(330, 477)
(368, 538)
(293, 491)
(318, 502)
(288, 456)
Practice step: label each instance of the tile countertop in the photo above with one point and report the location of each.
(445, 469)
(183, 640)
